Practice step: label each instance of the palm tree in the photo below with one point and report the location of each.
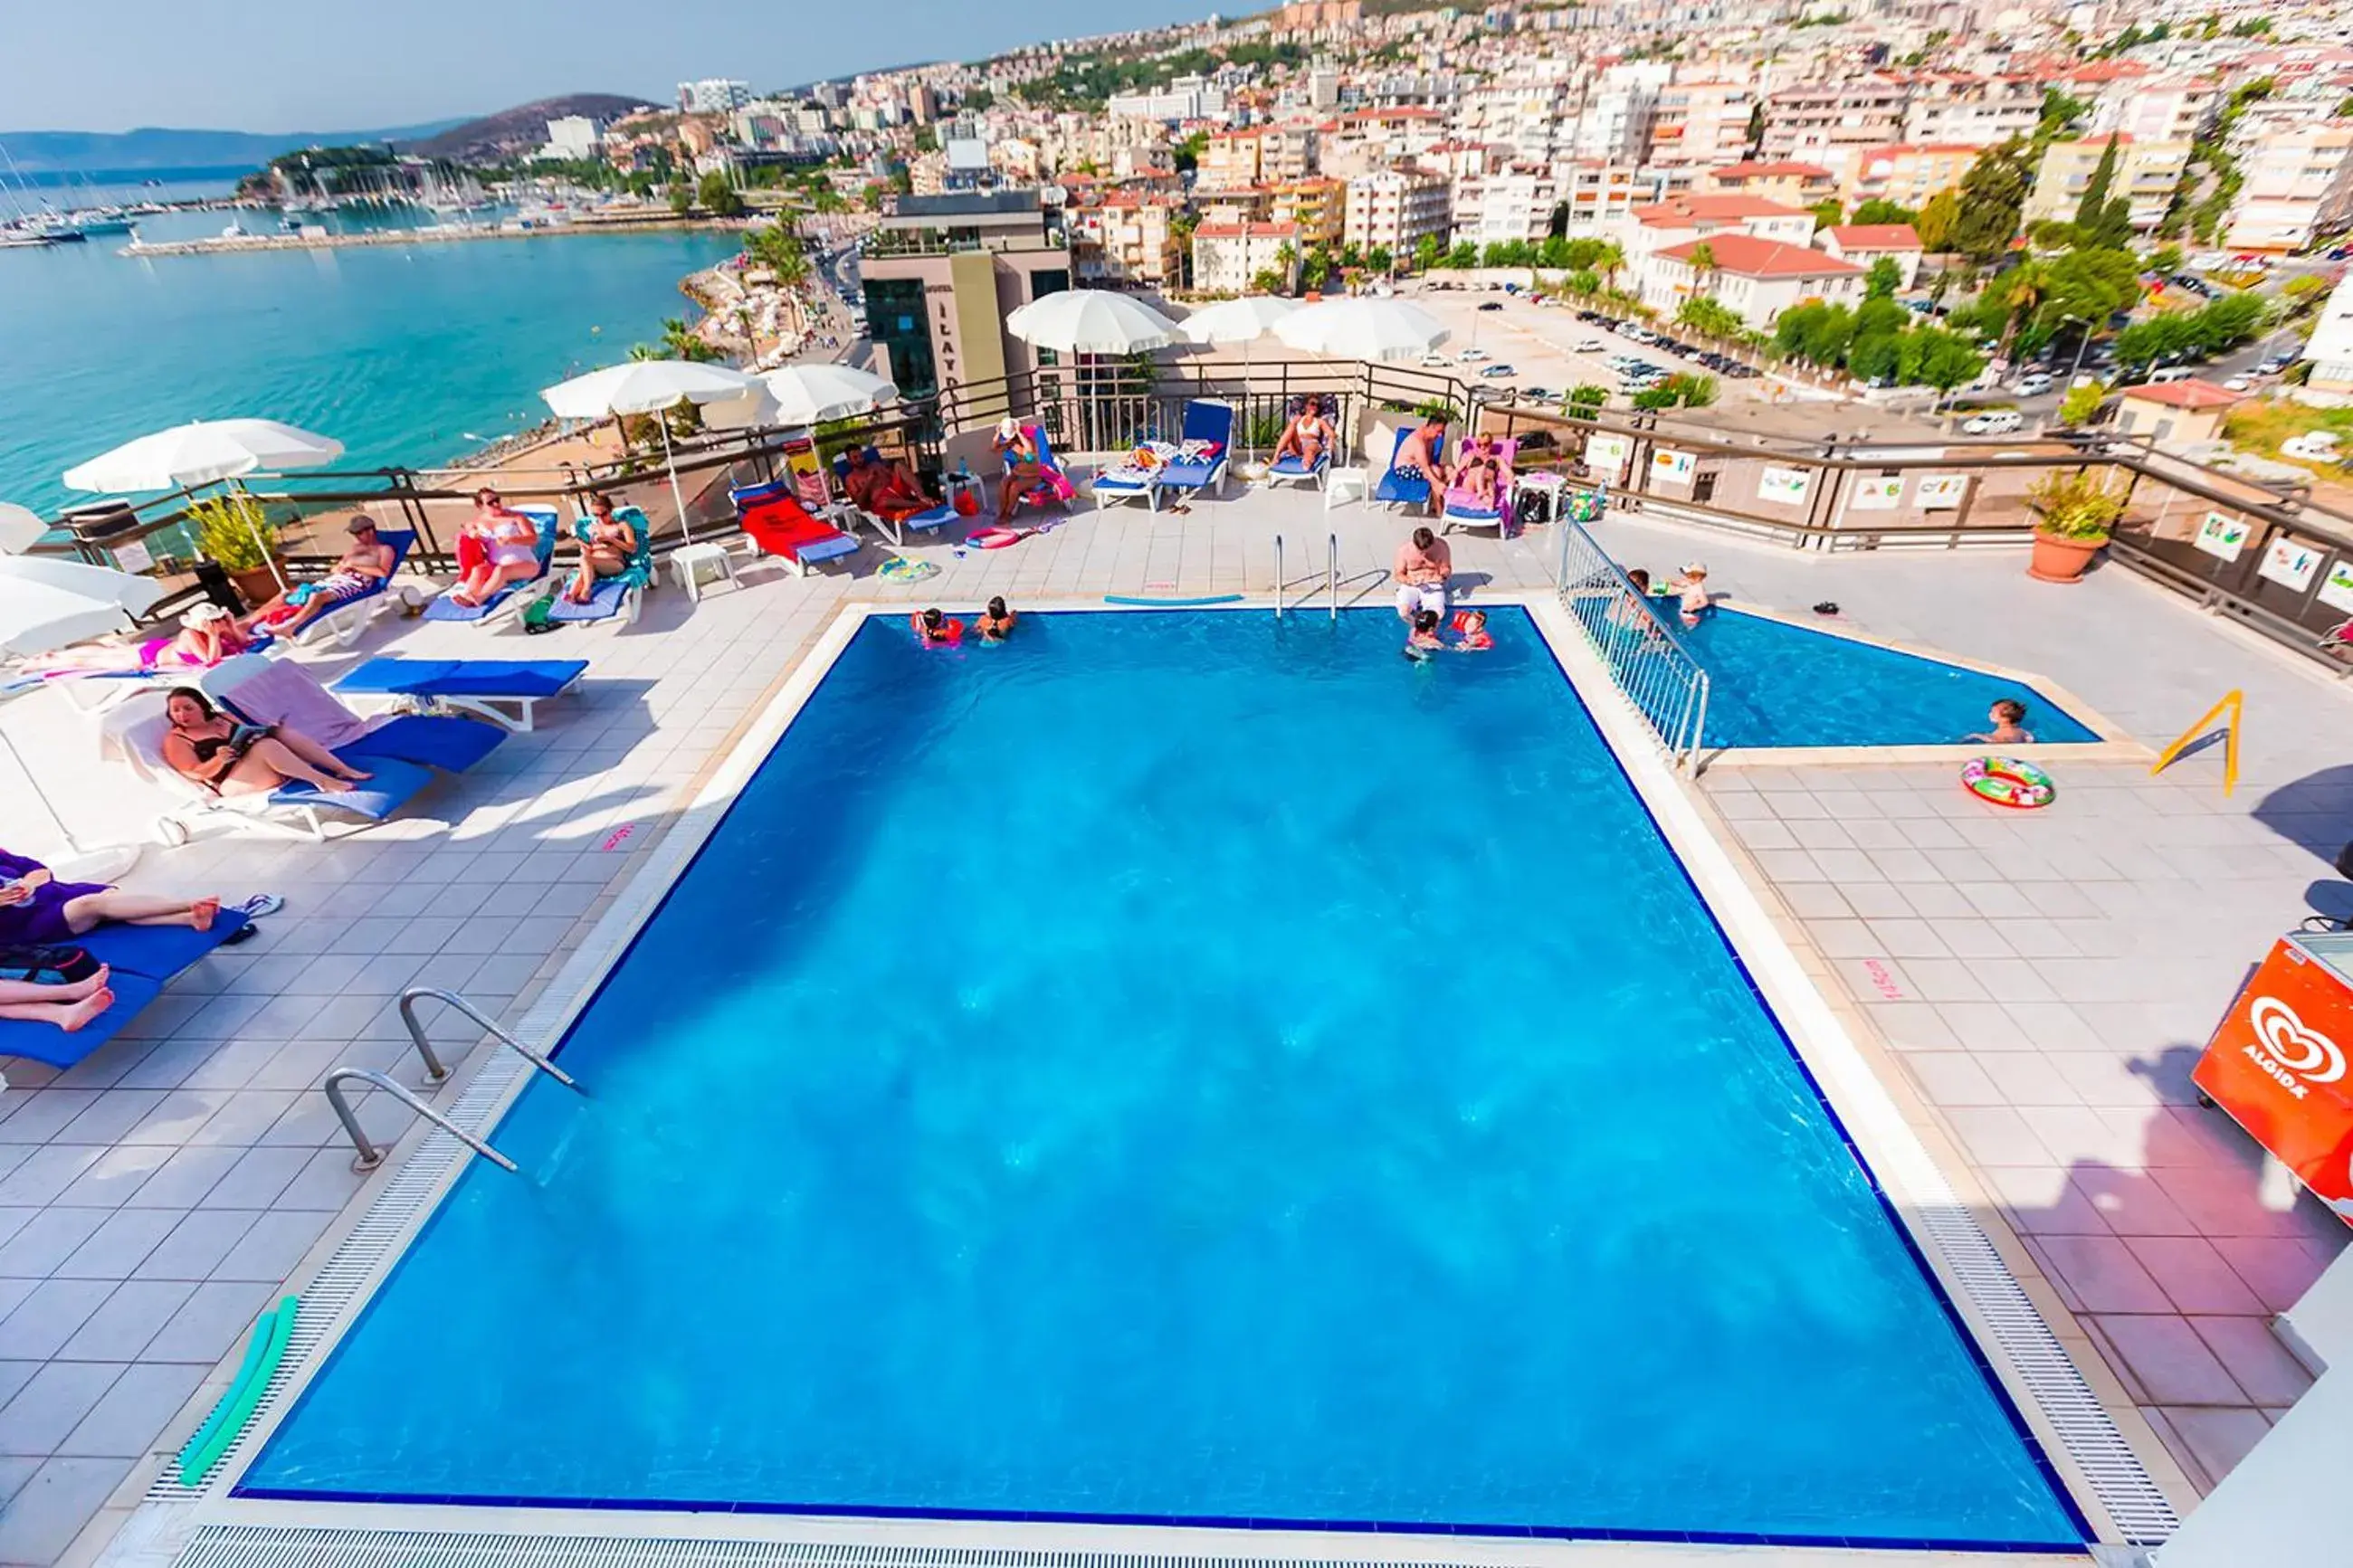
(1703, 265)
(1610, 263)
(2028, 282)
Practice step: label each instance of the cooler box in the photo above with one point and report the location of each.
(2278, 1062)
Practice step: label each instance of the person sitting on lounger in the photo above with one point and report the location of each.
(38, 911)
(367, 563)
(1476, 476)
(606, 551)
(1307, 438)
(1417, 457)
(207, 747)
(509, 543)
(891, 491)
(996, 623)
(1024, 466)
(67, 1004)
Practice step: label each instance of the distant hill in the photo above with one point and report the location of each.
(152, 147)
(523, 128)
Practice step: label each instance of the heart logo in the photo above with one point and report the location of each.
(2305, 1052)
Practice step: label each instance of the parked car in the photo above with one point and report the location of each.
(1536, 394)
(1435, 361)
(1492, 305)
(2034, 385)
(2238, 384)
(1994, 422)
(1469, 355)
(1498, 372)
(2313, 446)
(1588, 347)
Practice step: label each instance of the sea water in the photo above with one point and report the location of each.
(1181, 1065)
(407, 354)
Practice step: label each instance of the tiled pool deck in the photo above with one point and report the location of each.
(2037, 984)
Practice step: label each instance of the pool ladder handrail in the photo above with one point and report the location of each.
(1332, 575)
(369, 1156)
(436, 1073)
(1277, 577)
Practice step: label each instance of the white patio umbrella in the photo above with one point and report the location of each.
(44, 604)
(20, 528)
(648, 386)
(806, 394)
(1091, 322)
(1243, 321)
(1363, 327)
(205, 452)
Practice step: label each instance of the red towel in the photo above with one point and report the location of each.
(783, 527)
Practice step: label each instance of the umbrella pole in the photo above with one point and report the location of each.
(35, 786)
(669, 456)
(268, 555)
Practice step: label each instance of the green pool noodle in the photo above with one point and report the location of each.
(263, 1351)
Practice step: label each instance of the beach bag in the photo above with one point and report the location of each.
(967, 503)
(539, 615)
(47, 965)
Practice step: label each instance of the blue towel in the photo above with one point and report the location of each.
(450, 744)
(394, 785)
(391, 676)
(602, 605)
(1293, 466)
(158, 952)
(48, 1043)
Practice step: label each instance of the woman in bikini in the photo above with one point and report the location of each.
(510, 543)
(606, 551)
(1307, 436)
(207, 746)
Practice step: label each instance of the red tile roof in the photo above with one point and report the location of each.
(1746, 255)
(1675, 211)
(2191, 393)
(1747, 170)
(1874, 236)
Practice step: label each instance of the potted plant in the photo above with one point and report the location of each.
(232, 531)
(2079, 511)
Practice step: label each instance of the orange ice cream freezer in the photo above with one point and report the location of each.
(2277, 1064)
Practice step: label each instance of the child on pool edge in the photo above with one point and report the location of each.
(2008, 717)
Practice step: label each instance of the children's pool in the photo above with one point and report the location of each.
(1774, 684)
(1182, 1067)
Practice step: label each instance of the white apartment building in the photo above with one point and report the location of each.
(1865, 242)
(713, 95)
(1602, 196)
(1127, 241)
(1227, 256)
(574, 136)
(1697, 125)
(1522, 116)
(2331, 347)
(1679, 219)
(1831, 123)
(1907, 173)
(1512, 204)
(2147, 173)
(1614, 120)
(2298, 185)
(1979, 110)
(1186, 97)
(1393, 208)
(1759, 279)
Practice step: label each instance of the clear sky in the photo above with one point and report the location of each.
(298, 65)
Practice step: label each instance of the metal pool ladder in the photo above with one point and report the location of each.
(1331, 576)
(369, 1156)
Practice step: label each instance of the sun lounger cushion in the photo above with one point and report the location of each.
(1291, 465)
(391, 676)
(445, 608)
(48, 1043)
(396, 784)
(783, 527)
(160, 952)
(451, 744)
(1407, 488)
(603, 605)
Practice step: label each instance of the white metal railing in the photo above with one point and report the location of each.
(1663, 678)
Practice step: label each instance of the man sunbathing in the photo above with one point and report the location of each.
(1417, 457)
(886, 488)
(364, 566)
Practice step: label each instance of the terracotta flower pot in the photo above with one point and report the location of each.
(257, 585)
(2058, 560)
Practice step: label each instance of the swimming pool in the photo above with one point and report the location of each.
(1772, 683)
(1181, 1067)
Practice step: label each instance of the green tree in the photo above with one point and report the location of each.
(1709, 318)
(1755, 127)
(2080, 403)
(1286, 263)
(1880, 318)
(1585, 281)
(2092, 218)
(1585, 400)
(1609, 260)
(1936, 221)
(682, 199)
(1827, 213)
(1315, 270)
(717, 196)
(1680, 390)
(1885, 278)
(1186, 154)
(678, 342)
(1425, 251)
(1879, 210)
(1378, 259)
(1935, 357)
(1991, 194)
(1464, 257)
(1266, 281)
(2058, 113)
(2298, 295)
(1703, 264)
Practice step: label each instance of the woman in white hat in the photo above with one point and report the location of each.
(207, 635)
(1017, 450)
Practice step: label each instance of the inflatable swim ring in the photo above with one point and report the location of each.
(1583, 506)
(902, 569)
(2007, 781)
(993, 538)
(951, 632)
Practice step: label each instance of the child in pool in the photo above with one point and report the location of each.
(1423, 640)
(996, 623)
(933, 629)
(1689, 588)
(1474, 637)
(2008, 717)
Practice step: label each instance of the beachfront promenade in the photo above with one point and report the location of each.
(2031, 987)
(652, 220)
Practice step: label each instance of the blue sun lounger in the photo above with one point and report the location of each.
(445, 608)
(1209, 422)
(144, 958)
(621, 594)
(341, 624)
(481, 686)
(1290, 470)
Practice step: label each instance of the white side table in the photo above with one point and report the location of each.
(690, 564)
(1542, 482)
(1346, 484)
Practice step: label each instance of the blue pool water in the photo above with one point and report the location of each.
(1774, 684)
(1181, 1067)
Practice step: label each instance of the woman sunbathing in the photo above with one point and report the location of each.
(207, 635)
(1306, 438)
(509, 543)
(605, 551)
(38, 910)
(67, 1004)
(207, 747)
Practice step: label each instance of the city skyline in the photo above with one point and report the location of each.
(170, 66)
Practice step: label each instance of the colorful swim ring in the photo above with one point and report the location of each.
(1583, 506)
(903, 569)
(2007, 781)
(951, 632)
(993, 538)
